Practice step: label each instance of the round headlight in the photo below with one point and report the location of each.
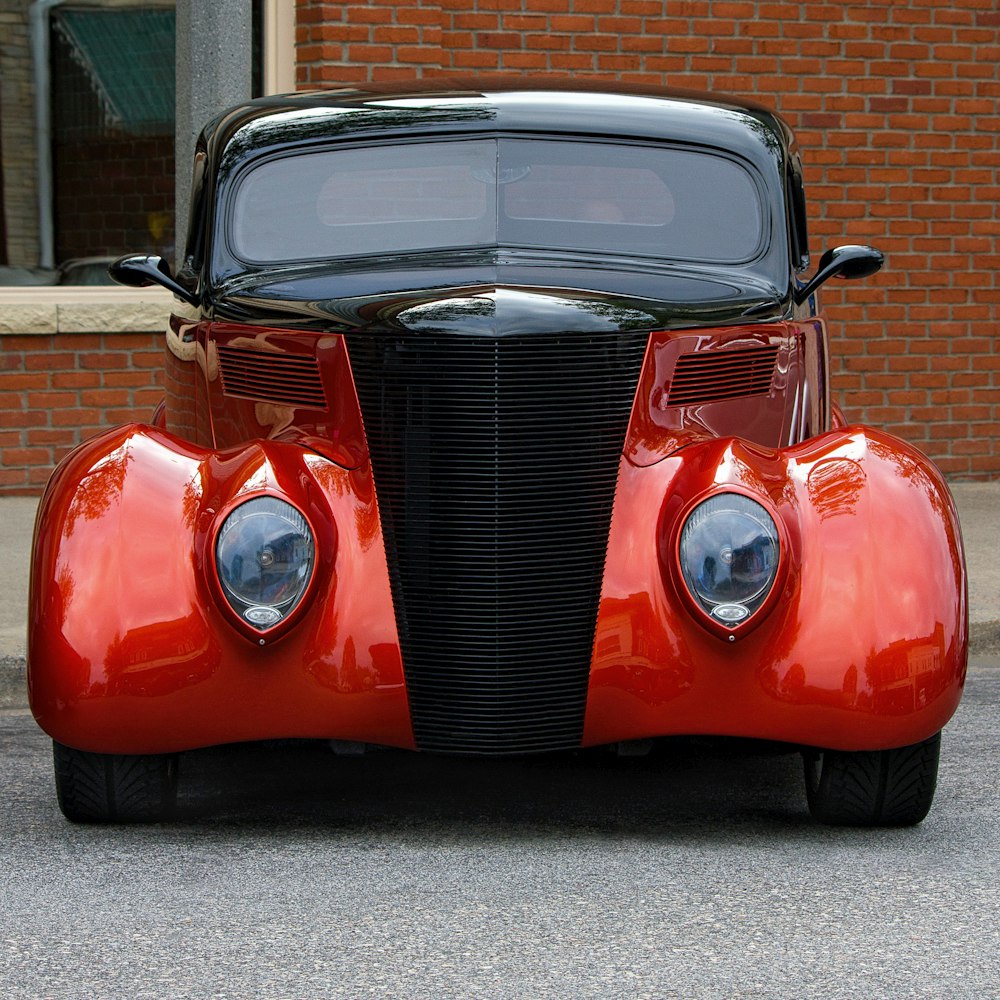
(264, 555)
(729, 556)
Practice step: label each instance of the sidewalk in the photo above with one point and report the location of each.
(978, 508)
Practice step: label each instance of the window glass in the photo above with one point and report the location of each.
(104, 184)
(363, 201)
(546, 194)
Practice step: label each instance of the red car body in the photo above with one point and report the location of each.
(286, 382)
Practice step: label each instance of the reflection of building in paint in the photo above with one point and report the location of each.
(907, 674)
(835, 486)
(633, 651)
(903, 677)
(618, 638)
(158, 659)
(353, 673)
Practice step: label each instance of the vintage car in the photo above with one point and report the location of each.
(497, 421)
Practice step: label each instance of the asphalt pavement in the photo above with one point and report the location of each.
(695, 873)
(978, 508)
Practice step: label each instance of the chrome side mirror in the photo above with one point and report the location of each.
(848, 262)
(144, 269)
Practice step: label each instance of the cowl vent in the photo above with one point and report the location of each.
(713, 376)
(285, 379)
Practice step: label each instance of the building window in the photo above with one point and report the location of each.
(112, 100)
(93, 176)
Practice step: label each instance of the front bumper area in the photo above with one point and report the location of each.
(130, 653)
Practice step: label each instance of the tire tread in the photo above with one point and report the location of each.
(114, 788)
(873, 787)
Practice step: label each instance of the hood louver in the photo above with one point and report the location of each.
(713, 376)
(285, 379)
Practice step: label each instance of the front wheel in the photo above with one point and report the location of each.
(114, 788)
(872, 787)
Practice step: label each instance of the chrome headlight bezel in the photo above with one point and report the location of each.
(278, 543)
(748, 534)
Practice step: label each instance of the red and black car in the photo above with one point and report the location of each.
(497, 421)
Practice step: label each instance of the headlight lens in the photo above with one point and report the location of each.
(729, 556)
(264, 555)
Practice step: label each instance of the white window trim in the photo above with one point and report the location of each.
(279, 46)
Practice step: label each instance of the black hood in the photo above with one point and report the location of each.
(501, 299)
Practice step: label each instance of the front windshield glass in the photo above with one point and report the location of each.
(591, 196)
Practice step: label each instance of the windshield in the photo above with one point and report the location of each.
(592, 196)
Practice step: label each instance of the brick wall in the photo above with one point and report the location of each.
(63, 378)
(896, 110)
(57, 390)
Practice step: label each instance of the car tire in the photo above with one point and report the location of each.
(114, 788)
(872, 787)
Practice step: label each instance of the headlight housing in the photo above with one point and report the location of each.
(264, 556)
(729, 552)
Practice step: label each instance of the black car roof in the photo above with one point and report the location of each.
(523, 105)
(394, 112)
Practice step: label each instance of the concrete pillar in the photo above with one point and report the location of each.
(214, 66)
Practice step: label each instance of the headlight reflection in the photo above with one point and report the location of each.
(264, 555)
(729, 556)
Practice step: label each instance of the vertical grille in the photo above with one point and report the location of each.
(495, 462)
(712, 376)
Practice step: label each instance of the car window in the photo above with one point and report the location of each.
(593, 196)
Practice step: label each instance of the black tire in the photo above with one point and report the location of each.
(114, 788)
(872, 788)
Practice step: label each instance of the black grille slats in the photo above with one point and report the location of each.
(495, 463)
(271, 377)
(713, 376)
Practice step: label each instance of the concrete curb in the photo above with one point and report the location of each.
(984, 639)
(13, 683)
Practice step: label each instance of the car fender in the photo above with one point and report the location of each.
(129, 650)
(866, 646)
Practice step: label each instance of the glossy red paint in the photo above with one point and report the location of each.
(133, 649)
(284, 361)
(865, 647)
(130, 650)
(780, 409)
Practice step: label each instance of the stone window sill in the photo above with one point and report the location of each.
(45, 310)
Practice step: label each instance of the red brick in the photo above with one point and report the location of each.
(39, 476)
(44, 436)
(74, 417)
(359, 53)
(49, 362)
(14, 381)
(105, 397)
(102, 361)
(75, 380)
(15, 457)
(10, 479)
(51, 400)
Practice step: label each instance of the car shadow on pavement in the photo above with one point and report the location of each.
(681, 785)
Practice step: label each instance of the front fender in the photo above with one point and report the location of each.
(866, 647)
(128, 649)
